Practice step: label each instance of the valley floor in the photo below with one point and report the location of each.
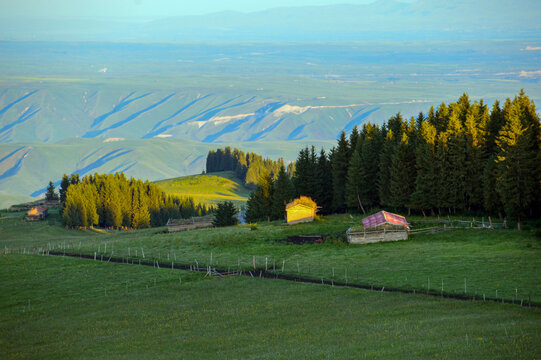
(55, 307)
(60, 307)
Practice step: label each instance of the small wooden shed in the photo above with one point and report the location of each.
(301, 210)
(36, 213)
(381, 226)
(174, 225)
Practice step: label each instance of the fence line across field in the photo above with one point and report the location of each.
(328, 274)
(484, 223)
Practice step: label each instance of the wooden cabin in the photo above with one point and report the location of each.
(301, 210)
(381, 226)
(174, 225)
(36, 213)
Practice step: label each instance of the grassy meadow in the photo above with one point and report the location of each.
(210, 188)
(471, 262)
(64, 308)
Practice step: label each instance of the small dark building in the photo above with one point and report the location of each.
(37, 213)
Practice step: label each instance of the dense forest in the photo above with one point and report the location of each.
(459, 158)
(247, 167)
(114, 201)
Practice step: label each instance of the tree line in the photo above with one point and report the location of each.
(248, 167)
(114, 201)
(459, 157)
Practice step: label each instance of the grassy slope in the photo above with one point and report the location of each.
(208, 188)
(153, 159)
(490, 261)
(149, 313)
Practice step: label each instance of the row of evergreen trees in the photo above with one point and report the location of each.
(248, 167)
(114, 201)
(460, 157)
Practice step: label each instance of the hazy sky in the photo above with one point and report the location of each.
(147, 8)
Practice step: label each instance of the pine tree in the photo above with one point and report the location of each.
(259, 203)
(282, 194)
(370, 150)
(323, 193)
(302, 173)
(518, 164)
(402, 174)
(225, 214)
(89, 197)
(353, 138)
(454, 174)
(442, 118)
(384, 171)
(140, 216)
(340, 164)
(495, 123)
(491, 199)
(74, 179)
(75, 214)
(64, 184)
(51, 193)
(426, 186)
(112, 209)
(253, 210)
(475, 126)
(353, 182)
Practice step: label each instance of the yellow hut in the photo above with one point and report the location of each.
(36, 213)
(301, 210)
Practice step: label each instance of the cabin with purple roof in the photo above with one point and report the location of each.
(381, 226)
(384, 218)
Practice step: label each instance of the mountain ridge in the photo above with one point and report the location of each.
(382, 20)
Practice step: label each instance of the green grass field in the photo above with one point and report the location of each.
(497, 263)
(209, 188)
(65, 308)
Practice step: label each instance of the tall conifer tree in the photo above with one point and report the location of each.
(340, 164)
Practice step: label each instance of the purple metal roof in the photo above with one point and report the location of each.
(384, 217)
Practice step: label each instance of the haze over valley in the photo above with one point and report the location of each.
(111, 99)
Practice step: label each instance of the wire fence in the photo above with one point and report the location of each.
(300, 270)
(473, 223)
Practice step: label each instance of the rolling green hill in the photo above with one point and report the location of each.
(27, 168)
(208, 188)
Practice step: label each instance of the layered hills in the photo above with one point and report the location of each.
(27, 168)
(143, 99)
(383, 20)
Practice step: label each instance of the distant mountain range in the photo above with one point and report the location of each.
(150, 99)
(53, 114)
(383, 20)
